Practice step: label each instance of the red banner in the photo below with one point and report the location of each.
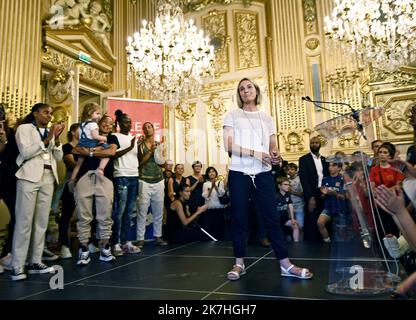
(140, 112)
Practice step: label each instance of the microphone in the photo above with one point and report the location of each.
(308, 99)
(354, 113)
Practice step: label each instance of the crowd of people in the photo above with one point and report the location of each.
(114, 179)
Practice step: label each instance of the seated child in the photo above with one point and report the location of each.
(90, 138)
(285, 207)
(334, 200)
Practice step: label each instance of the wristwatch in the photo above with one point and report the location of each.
(252, 153)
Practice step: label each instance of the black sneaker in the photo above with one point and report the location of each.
(18, 274)
(39, 268)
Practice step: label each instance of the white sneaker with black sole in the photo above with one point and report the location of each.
(83, 257)
(106, 256)
(18, 274)
(39, 268)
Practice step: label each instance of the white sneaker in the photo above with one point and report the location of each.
(65, 253)
(106, 256)
(83, 258)
(6, 262)
(130, 248)
(93, 249)
(18, 274)
(48, 255)
(117, 251)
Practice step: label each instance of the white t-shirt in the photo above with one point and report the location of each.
(88, 128)
(252, 130)
(319, 168)
(127, 165)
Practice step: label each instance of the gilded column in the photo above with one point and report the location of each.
(128, 16)
(20, 49)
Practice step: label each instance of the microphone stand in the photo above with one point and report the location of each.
(355, 115)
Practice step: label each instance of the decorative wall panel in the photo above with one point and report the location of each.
(215, 25)
(246, 26)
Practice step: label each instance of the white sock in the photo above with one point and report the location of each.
(327, 239)
(239, 261)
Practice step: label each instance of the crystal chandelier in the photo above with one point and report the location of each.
(382, 32)
(170, 57)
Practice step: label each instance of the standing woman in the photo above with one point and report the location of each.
(384, 174)
(196, 181)
(68, 202)
(39, 150)
(8, 180)
(250, 140)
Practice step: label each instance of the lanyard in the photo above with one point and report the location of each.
(45, 134)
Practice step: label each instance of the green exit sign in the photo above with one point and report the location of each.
(84, 57)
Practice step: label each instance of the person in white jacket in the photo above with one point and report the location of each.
(39, 149)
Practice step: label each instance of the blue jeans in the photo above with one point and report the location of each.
(241, 188)
(124, 208)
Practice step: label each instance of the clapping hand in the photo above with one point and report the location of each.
(201, 209)
(391, 201)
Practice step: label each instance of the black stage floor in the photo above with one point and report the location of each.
(195, 271)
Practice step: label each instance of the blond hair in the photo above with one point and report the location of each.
(89, 109)
(258, 96)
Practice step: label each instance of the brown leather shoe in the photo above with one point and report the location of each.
(161, 242)
(140, 244)
(265, 243)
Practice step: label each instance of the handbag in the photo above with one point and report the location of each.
(225, 198)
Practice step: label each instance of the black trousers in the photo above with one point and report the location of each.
(241, 188)
(68, 207)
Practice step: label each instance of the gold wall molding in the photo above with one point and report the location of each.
(291, 90)
(310, 17)
(394, 126)
(344, 86)
(293, 140)
(313, 43)
(53, 59)
(217, 109)
(400, 79)
(247, 34)
(185, 112)
(397, 115)
(199, 5)
(350, 140)
(225, 85)
(60, 86)
(96, 16)
(215, 24)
